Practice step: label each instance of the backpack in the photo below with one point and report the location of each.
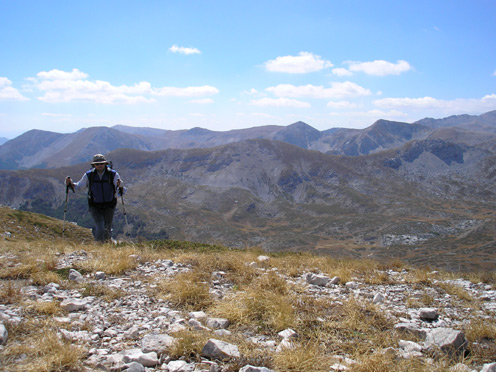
(91, 174)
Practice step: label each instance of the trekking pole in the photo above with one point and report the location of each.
(126, 226)
(67, 186)
(121, 192)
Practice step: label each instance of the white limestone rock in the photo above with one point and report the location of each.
(217, 349)
(428, 314)
(4, 335)
(447, 340)
(287, 334)
(180, 366)
(489, 367)
(75, 276)
(378, 298)
(217, 323)
(411, 328)
(71, 305)
(136, 355)
(317, 279)
(249, 368)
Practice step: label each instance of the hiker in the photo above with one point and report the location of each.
(102, 183)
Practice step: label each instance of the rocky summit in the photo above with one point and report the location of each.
(176, 306)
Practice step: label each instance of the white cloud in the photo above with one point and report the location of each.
(183, 50)
(279, 102)
(203, 101)
(55, 74)
(252, 91)
(424, 102)
(371, 114)
(441, 107)
(61, 86)
(263, 115)
(303, 63)
(7, 92)
(380, 67)
(341, 72)
(384, 114)
(341, 104)
(204, 90)
(494, 73)
(337, 90)
(54, 115)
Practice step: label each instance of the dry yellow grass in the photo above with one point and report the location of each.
(188, 345)
(187, 290)
(481, 334)
(455, 290)
(35, 347)
(420, 276)
(266, 312)
(35, 308)
(309, 356)
(481, 329)
(387, 362)
(103, 291)
(10, 292)
(260, 301)
(110, 259)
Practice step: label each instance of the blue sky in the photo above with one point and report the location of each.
(221, 65)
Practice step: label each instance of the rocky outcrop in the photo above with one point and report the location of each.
(133, 332)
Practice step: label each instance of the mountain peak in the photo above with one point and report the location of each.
(299, 134)
(300, 124)
(197, 131)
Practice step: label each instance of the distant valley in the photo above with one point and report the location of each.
(423, 192)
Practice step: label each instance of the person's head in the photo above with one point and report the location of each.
(99, 162)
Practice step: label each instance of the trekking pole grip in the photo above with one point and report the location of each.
(69, 185)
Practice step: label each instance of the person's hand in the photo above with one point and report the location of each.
(69, 184)
(119, 183)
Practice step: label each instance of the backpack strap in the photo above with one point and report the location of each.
(91, 176)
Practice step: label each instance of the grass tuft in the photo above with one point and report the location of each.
(186, 290)
(455, 290)
(110, 259)
(267, 312)
(303, 357)
(188, 345)
(37, 348)
(10, 293)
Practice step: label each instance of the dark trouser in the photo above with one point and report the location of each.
(103, 223)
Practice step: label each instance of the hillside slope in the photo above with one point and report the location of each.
(426, 199)
(68, 305)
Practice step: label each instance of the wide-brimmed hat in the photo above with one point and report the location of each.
(99, 159)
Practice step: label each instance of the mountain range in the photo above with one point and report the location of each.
(42, 149)
(422, 192)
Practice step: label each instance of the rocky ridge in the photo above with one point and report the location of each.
(134, 332)
(42, 149)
